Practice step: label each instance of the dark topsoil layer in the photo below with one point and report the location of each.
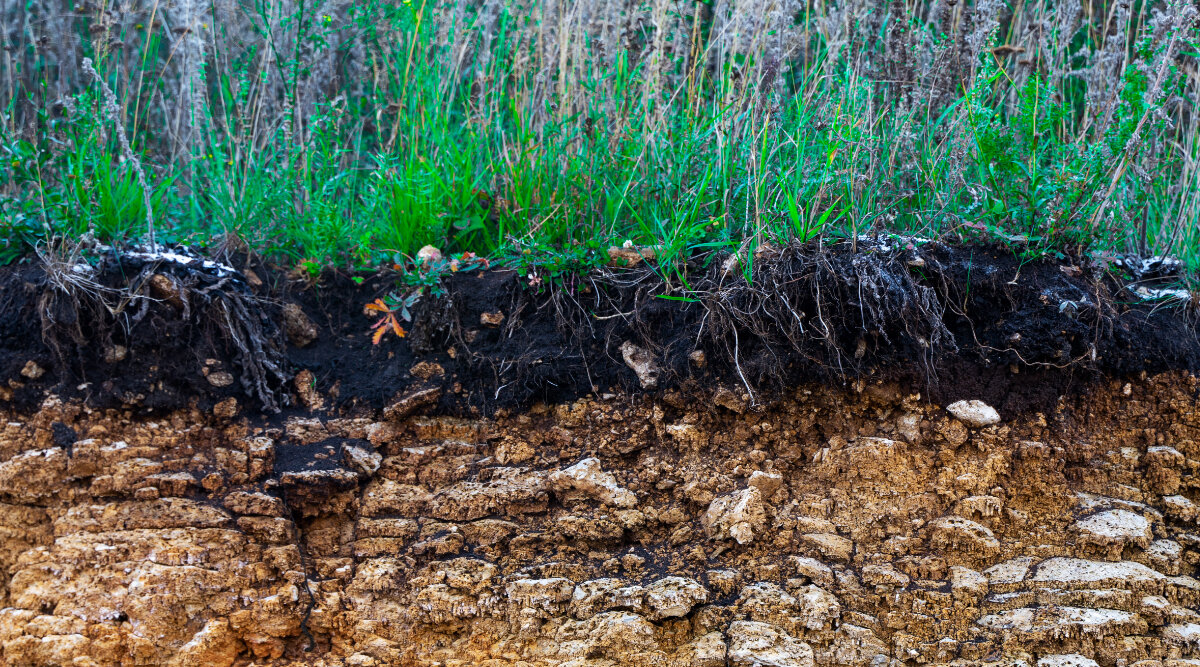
(949, 322)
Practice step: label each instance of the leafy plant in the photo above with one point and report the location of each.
(390, 308)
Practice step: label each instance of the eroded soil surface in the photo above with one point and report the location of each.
(857, 526)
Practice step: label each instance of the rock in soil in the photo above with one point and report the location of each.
(643, 364)
(975, 414)
(300, 330)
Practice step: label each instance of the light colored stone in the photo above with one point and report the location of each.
(973, 413)
(1010, 571)
(1185, 634)
(819, 608)
(829, 546)
(812, 569)
(587, 479)
(955, 532)
(1114, 528)
(546, 596)
(739, 515)
(884, 575)
(1066, 660)
(642, 362)
(1077, 571)
(1063, 621)
(215, 645)
(614, 635)
(598, 595)
(508, 491)
(766, 482)
(220, 378)
(707, 651)
(361, 459)
(753, 644)
(967, 584)
(909, 427)
(1182, 509)
(672, 597)
(1165, 556)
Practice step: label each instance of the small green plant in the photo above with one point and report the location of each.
(430, 267)
(423, 279)
(310, 268)
(391, 310)
(539, 263)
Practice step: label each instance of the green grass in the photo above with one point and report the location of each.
(454, 135)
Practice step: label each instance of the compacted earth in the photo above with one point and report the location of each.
(946, 457)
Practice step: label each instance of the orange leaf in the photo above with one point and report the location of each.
(378, 335)
(397, 328)
(378, 306)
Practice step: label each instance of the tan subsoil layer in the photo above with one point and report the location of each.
(837, 527)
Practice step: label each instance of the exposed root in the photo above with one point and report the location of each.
(812, 311)
(827, 308)
(257, 354)
(78, 310)
(72, 295)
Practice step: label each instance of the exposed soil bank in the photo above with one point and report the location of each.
(953, 323)
(833, 527)
(207, 467)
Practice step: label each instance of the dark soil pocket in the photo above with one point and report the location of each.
(950, 322)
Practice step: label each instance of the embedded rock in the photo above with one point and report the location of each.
(885, 576)
(975, 414)
(508, 491)
(766, 483)
(643, 364)
(753, 644)
(812, 570)
(829, 546)
(1114, 529)
(361, 459)
(706, 651)
(587, 479)
(543, 596)
(955, 532)
(300, 330)
(1066, 660)
(1075, 571)
(967, 584)
(672, 597)
(738, 515)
